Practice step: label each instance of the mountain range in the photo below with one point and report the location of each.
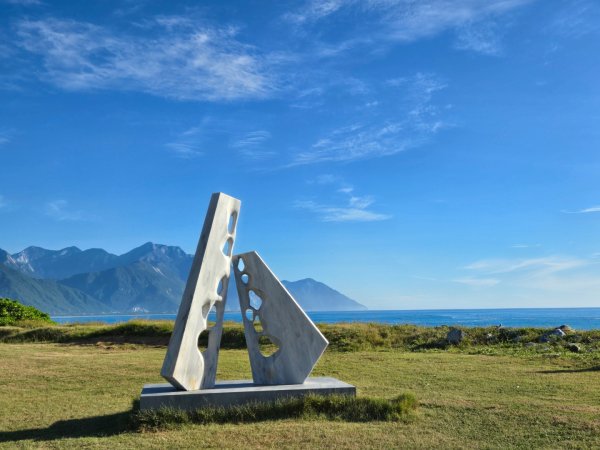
(147, 279)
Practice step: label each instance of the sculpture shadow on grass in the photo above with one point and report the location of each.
(97, 426)
(584, 369)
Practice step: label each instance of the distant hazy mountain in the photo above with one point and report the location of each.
(312, 295)
(316, 296)
(55, 264)
(149, 278)
(47, 295)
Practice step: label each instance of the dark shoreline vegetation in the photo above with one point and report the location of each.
(12, 312)
(343, 337)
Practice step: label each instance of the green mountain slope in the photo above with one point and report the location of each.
(138, 287)
(46, 295)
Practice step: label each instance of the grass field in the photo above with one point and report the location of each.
(74, 396)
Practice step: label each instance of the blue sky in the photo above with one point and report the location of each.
(411, 154)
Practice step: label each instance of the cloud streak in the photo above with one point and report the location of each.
(567, 277)
(191, 143)
(407, 21)
(591, 209)
(550, 264)
(354, 208)
(253, 145)
(328, 213)
(186, 61)
(59, 210)
(478, 282)
(414, 123)
(481, 38)
(24, 2)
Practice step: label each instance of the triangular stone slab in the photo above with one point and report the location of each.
(282, 321)
(185, 367)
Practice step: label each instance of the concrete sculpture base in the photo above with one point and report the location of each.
(230, 393)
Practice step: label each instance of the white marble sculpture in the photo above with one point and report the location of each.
(185, 367)
(262, 299)
(270, 313)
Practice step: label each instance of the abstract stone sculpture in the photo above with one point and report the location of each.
(270, 313)
(184, 366)
(264, 302)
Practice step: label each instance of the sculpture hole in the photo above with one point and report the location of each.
(245, 278)
(257, 325)
(249, 314)
(255, 300)
(267, 346)
(240, 264)
(231, 223)
(210, 314)
(205, 310)
(221, 286)
(203, 340)
(228, 247)
(211, 318)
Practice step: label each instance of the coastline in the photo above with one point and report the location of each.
(577, 318)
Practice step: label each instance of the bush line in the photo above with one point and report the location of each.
(334, 407)
(342, 337)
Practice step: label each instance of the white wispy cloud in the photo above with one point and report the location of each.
(4, 139)
(478, 282)
(576, 19)
(187, 60)
(566, 278)
(483, 38)
(549, 264)
(60, 210)
(184, 150)
(328, 213)
(591, 209)
(314, 10)
(525, 245)
(192, 142)
(409, 20)
(325, 178)
(23, 2)
(253, 144)
(416, 120)
(348, 207)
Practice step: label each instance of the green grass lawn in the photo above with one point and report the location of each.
(72, 395)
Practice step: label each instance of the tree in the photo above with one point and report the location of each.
(12, 312)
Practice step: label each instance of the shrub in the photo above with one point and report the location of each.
(12, 312)
(334, 407)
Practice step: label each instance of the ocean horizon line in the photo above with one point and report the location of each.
(583, 318)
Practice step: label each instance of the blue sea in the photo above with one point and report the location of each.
(577, 318)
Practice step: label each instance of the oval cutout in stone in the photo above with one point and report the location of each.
(257, 325)
(255, 300)
(240, 264)
(203, 340)
(228, 247)
(221, 286)
(231, 223)
(267, 346)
